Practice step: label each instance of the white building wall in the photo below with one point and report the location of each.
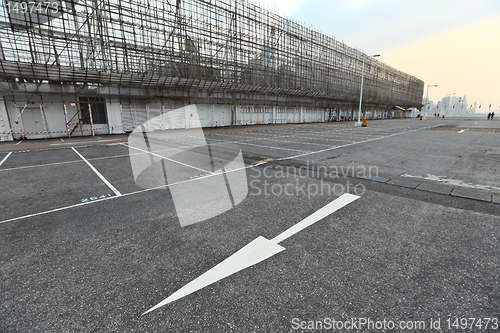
(124, 116)
(54, 118)
(4, 123)
(50, 121)
(114, 115)
(206, 114)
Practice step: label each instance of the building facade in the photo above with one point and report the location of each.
(87, 67)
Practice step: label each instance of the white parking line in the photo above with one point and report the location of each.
(354, 143)
(122, 195)
(5, 158)
(270, 147)
(166, 158)
(113, 156)
(98, 174)
(195, 179)
(80, 142)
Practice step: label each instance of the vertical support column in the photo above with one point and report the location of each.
(274, 115)
(66, 119)
(91, 120)
(4, 119)
(121, 117)
(4, 131)
(65, 113)
(43, 121)
(223, 111)
(302, 119)
(11, 130)
(214, 122)
(188, 114)
(162, 114)
(233, 115)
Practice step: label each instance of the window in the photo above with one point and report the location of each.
(98, 108)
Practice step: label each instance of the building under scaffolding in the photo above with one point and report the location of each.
(84, 67)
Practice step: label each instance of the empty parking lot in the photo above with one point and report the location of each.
(86, 247)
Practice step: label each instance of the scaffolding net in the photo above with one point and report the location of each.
(186, 45)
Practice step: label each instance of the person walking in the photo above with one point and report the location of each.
(489, 116)
(492, 115)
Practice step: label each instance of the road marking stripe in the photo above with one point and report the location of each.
(5, 158)
(185, 181)
(166, 158)
(89, 142)
(209, 139)
(352, 144)
(269, 147)
(108, 157)
(98, 173)
(123, 195)
(111, 198)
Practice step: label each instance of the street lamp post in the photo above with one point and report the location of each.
(358, 124)
(427, 97)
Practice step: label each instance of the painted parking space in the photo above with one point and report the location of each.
(281, 148)
(102, 151)
(33, 191)
(291, 145)
(117, 171)
(23, 159)
(41, 188)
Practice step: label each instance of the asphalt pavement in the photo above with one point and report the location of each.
(87, 247)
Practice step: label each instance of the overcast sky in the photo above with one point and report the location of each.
(452, 43)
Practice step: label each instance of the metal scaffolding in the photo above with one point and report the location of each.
(223, 51)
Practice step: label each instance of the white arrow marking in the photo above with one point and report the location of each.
(251, 254)
(256, 251)
(330, 208)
